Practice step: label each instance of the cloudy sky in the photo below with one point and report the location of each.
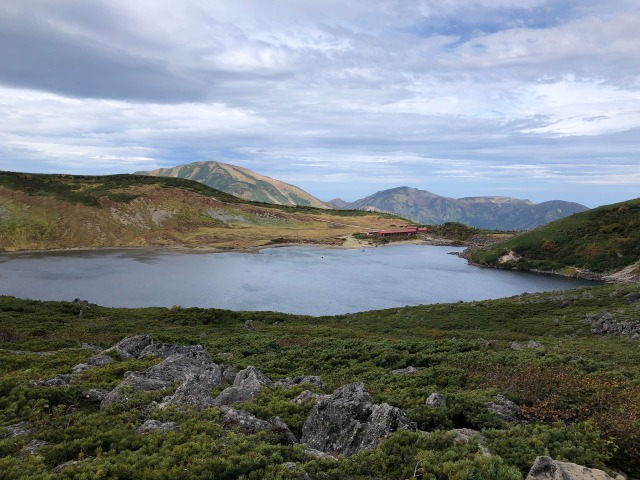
(535, 99)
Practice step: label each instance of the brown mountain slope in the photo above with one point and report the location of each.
(39, 212)
(242, 183)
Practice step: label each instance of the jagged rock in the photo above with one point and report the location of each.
(545, 468)
(246, 386)
(165, 350)
(95, 394)
(196, 390)
(516, 346)
(131, 347)
(348, 422)
(174, 369)
(248, 325)
(71, 465)
(228, 373)
(466, 434)
(249, 424)
(18, 429)
(534, 344)
(93, 362)
(60, 380)
(153, 425)
(405, 371)
(295, 468)
(605, 323)
(505, 409)
(632, 297)
(290, 382)
(309, 396)
(436, 399)
(33, 446)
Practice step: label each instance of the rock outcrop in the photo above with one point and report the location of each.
(249, 424)
(181, 368)
(58, 381)
(309, 396)
(165, 350)
(436, 399)
(130, 347)
(605, 323)
(157, 425)
(290, 382)
(349, 422)
(246, 386)
(405, 371)
(93, 362)
(545, 468)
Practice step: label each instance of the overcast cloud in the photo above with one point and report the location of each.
(535, 99)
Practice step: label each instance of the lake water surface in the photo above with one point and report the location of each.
(304, 280)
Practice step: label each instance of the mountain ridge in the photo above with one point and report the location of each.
(241, 182)
(491, 212)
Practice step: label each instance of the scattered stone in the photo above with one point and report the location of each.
(246, 386)
(348, 422)
(545, 468)
(534, 344)
(174, 369)
(60, 380)
(404, 371)
(466, 434)
(131, 347)
(436, 399)
(18, 429)
(505, 410)
(95, 394)
(165, 350)
(632, 297)
(33, 446)
(289, 382)
(67, 466)
(248, 325)
(309, 396)
(516, 346)
(250, 424)
(93, 362)
(604, 323)
(153, 425)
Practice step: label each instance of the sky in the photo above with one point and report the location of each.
(536, 99)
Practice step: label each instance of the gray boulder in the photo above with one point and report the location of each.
(309, 396)
(165, 350)
(632, 297)
(95, 394)
(516, 346)
(60, 380)
(174, 369)
(505, 410)
(436, 399)
(131, 347)
(153, 425)
(348, 422)
(19, 429)
(534, 344)
(33, 446)
(545, 468)
(228, 373)
(93, 362)
(290, 382)
(246, 386)
(250, 424)
(405, 371)
(196, 389)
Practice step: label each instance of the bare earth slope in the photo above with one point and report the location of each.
(241, 182)
(40, 212)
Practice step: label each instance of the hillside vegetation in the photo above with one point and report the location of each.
(63, 211)
(601, 240)
(241, 182)
(578, 391)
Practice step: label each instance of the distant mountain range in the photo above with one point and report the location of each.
(241, 182)
(500, 213)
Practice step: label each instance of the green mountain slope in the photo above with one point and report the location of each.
(605, 239)
(40, 212)
(578, 390)
(497, 213)
(241, 182)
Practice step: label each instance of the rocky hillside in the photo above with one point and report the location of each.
(498, 213)
(241, 182)
(604, 240)
(61, 211)
(489, 390)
